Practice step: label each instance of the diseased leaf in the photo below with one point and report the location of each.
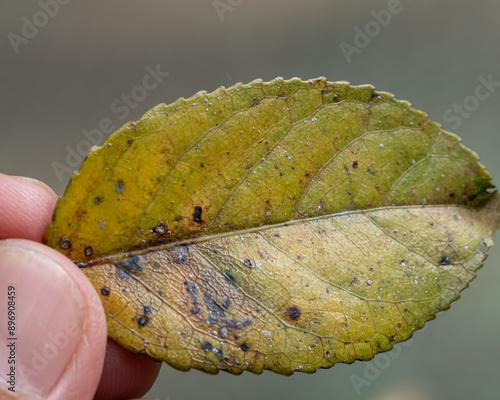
(286, 225)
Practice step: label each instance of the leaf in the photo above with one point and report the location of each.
(286, 225)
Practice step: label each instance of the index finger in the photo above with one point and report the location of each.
(26, 207)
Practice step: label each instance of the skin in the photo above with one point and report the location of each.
(111, 371)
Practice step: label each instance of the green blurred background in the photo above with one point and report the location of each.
(67, 76)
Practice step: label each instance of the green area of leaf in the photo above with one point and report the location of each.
(284, 225)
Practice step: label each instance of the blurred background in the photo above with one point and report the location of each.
(77, 67)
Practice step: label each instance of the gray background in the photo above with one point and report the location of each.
(67, 76)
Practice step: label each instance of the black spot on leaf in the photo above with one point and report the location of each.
(105, 291)
(255, 101)
(191, 287)
(233, 324)
(229, 277)
(98, 200)
(181, 255)
(245, 348)
(122, 274)
(226, 303)
(197, 214)
(444, 260)
(65, 244)
(223, 332)
(142, 321)
(248, 263)
(293, 312)
(207, 346)
(161, 228)
(119, 186)
(130, 264)
(147, 309)
(355, 164)
(88, 251)
(217, 352)
(215, 311)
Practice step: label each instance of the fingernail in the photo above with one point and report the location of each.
(42, 319)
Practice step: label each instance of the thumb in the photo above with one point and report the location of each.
(52, 325)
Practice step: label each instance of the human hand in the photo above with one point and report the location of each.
(60, 350)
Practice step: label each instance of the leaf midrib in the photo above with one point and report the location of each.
(206, 238)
